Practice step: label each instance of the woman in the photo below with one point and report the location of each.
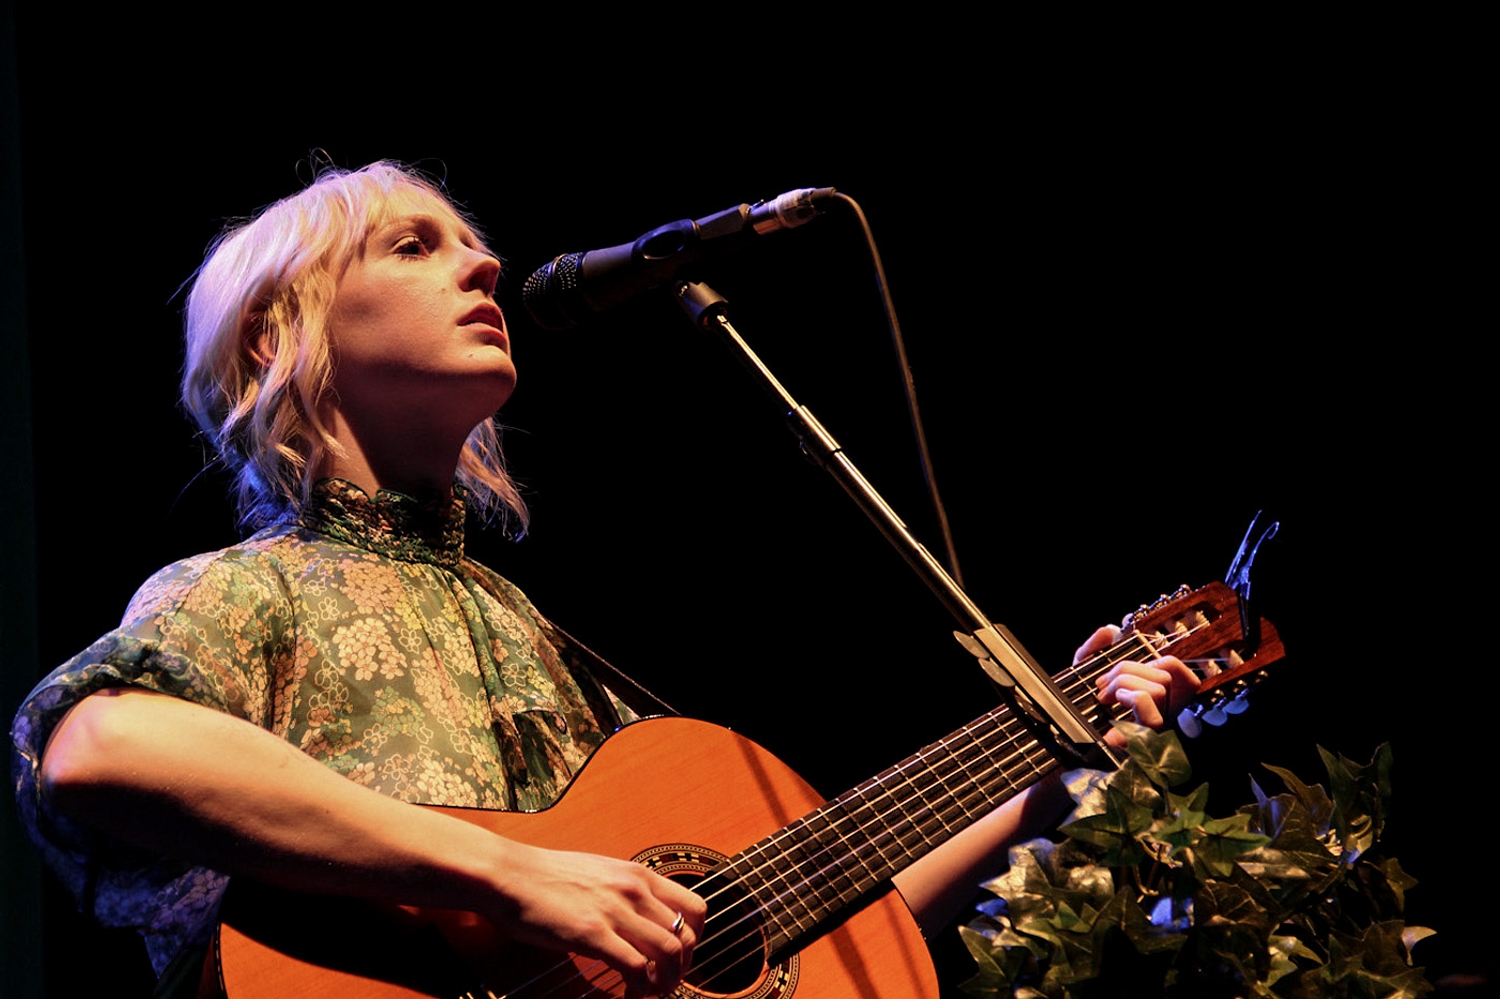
(270, 710)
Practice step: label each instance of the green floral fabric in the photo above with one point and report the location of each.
(360, 634)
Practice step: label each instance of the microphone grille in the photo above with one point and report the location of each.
(550, 288)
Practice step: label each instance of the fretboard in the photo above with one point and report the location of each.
(832, 858)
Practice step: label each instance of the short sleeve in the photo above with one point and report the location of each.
(206, 630)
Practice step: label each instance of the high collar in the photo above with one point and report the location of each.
(392, 524)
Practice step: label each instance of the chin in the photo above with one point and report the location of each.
(498, 391)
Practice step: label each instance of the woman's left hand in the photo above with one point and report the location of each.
(1154, 690)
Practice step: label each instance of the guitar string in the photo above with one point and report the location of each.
(739, 923)
(979, 740)
(1075, 679)
(819, 882)
(1083, 674)
(898, 802)
(1072, 681)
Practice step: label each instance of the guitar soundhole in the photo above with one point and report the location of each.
(730, 959)
(732, 956)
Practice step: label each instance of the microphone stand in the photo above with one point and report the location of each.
(1000, 654)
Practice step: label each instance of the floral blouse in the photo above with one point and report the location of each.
(360, 634)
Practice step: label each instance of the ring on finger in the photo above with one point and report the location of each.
(676, 926)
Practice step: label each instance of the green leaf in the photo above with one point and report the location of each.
(1134, 783)
(1218, 843)
(1408, 984)
(1221, 901)
(1086, 788)
(998, 966)
(1381, 947)
(1184, 814)
(1282, 950)
(1361, 797)
(1278, 900)
(1413, 935)
(1398, 879)
(1319, 806)
(1159, 754)
(1239, 947)
(1027, 874)
(1289, 822)
(980, 948)
(1300, 866)
(1114, 831)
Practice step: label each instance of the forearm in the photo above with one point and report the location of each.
(189, 782)
(939, 885)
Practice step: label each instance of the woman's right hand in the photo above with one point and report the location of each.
(614, 910)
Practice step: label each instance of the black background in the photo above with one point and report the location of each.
(1149, 289)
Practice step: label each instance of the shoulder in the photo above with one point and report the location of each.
(257, 571)
(494, 583)
(507, 597)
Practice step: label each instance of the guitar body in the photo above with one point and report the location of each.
(673, 793)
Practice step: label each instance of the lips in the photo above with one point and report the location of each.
(487, 314)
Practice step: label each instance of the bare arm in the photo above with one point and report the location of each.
(937, 886)
(193, 783)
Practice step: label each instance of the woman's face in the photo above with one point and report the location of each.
(414, 330)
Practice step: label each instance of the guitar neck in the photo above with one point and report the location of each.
(836, 856)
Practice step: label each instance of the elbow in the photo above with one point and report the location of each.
(88, 752)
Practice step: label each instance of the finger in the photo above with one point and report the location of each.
(637, 972)
(1100, 640)
(666, 934)
(692, 911)
(1184, 681)
(687, 933)
(1114, 737)
(1111, 681)
(1168, 671)
(665, 953)
(1141, 694)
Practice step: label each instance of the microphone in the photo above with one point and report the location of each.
(566, 291)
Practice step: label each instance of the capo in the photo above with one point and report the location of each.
(1238, 577)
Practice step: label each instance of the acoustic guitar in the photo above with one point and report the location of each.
(798, 888)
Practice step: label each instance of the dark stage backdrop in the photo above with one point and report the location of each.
(1138, 312)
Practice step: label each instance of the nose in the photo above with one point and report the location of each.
(481, 270)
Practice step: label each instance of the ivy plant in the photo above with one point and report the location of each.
(1147, 895)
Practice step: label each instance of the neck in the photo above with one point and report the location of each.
(391, 452)
(817, 867)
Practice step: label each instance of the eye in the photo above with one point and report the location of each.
(411, 246)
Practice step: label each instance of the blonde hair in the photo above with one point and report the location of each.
(258, 359)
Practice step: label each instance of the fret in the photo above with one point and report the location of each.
(832, 857)
(840, 872)
(899, 815)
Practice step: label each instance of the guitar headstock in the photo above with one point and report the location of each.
(1203, 628)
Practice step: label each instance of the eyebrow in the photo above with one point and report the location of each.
(466, 234)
